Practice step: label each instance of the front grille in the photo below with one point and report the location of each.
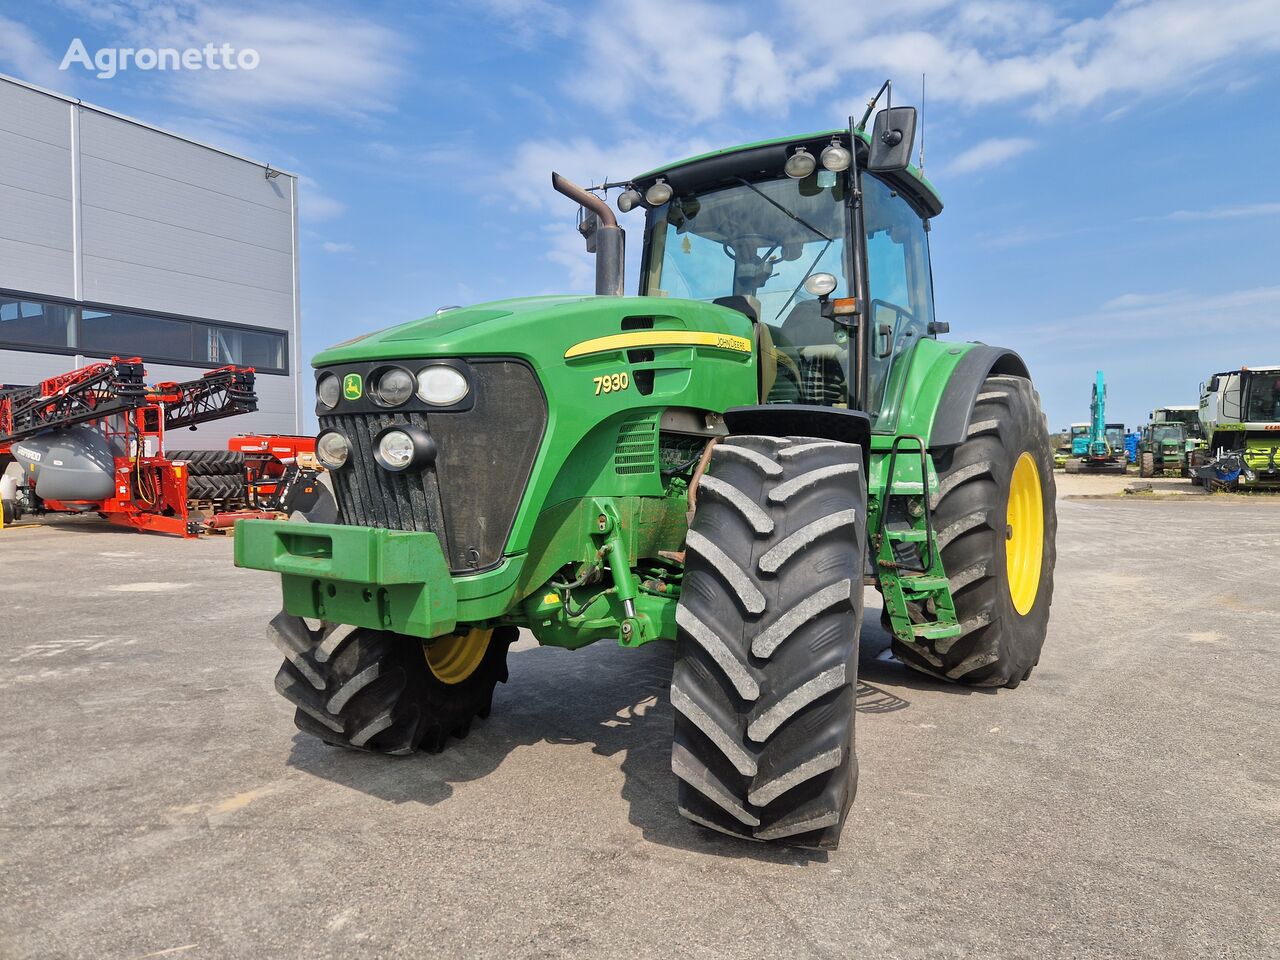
(469, 496)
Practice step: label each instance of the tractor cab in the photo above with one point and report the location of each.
(821, 240)
(1168, 437)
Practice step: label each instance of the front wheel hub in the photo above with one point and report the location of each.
(455, 657)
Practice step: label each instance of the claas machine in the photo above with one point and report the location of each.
(721, 462)
(1240, 419)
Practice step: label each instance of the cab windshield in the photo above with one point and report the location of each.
(1167, 431)
(761, 241)
(1262, 405)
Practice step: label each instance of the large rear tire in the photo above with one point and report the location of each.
(384, 692)
(767, 648)
(210, 463)
(996, 525)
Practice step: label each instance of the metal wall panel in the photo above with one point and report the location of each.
(186, 247)
(36, 249)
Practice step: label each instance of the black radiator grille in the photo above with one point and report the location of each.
(469, 496)
(369, 496)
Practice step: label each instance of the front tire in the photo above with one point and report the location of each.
(1147, 467)
(384, 692)
(767, 648)
(996, 525)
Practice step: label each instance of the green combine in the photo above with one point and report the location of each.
(723, 461)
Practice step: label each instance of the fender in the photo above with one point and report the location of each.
(955, 407)
(802, 420)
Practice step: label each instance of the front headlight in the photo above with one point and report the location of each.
(404, 447)
(333, 449)
(328, 391)
(392, 387)
(441, 386)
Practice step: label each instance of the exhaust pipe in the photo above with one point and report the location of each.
(608, 239)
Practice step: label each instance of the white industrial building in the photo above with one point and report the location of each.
(120, 239)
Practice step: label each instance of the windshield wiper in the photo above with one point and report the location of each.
(798, 219)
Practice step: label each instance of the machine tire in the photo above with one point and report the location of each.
(1072, 467)
(210, 463)
(767, 647)
(8, 511)
(998, 646)
(215, 488)
(1147, 465)
(372, 690)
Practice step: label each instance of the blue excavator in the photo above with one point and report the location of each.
(1102, 449)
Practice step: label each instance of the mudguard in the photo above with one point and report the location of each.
(951, 422)
(802, 420)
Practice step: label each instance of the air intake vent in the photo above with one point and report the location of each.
(637, 447)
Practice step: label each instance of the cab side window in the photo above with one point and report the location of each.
(901, 286)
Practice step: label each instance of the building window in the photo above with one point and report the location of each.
(112, 332)
(35, 323)
(27, 323)
(262, 349)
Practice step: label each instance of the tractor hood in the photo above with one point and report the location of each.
(549, 330)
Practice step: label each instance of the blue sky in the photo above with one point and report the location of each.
(1109, 169)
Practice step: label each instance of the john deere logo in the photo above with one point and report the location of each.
(352, 386)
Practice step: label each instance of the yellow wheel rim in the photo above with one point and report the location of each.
(454, 658)
(1024, 534)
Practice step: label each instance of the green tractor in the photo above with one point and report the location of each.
(723, 461)
(1162, 449)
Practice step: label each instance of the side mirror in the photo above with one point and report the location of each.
(892, 136)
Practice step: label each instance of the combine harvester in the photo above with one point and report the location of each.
(92, 442)
(1102, 449)
(1240, 418)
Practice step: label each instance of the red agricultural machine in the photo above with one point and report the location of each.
(92, 441)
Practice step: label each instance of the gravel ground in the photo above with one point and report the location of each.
(1125, 802)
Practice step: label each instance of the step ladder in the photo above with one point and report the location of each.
(918, 600)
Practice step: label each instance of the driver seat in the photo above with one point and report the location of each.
(811, 337)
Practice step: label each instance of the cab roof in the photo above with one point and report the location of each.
(710, 170)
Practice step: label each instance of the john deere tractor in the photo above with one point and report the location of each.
(723, 462)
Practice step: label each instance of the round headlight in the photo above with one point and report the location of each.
(658, 194)
(441, 386)
(333, 449)
(835, 157)
(328, 391)
(628, 200)
(820, 284)
(395, 450)
(392, 387)
(799, 165)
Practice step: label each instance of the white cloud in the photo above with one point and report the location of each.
(335, 63)
(1237, 212)
(975, 52)
(587, 162)
(314, 205)
(989, 153)
(22, 55)
(330, 247)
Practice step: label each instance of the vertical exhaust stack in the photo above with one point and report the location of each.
(607, 239)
